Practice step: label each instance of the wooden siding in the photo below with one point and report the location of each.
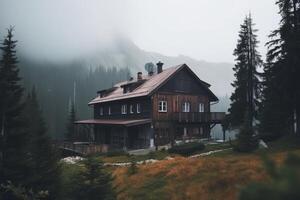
(184, 82)
(174, 104)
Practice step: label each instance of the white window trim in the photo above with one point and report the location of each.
(101, 111)
(131, 109)
(162, 106)
(124, 109)
(201, 107)
(109, 110)
(138, 108)
(186, 107)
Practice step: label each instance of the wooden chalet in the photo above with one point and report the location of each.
(153, 110)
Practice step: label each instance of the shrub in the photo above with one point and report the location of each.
(116, 153)
(187, 149)
(132, 168)
(247, 141)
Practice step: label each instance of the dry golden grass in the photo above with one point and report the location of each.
(206, 178)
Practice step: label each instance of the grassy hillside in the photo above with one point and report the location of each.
(219, 176)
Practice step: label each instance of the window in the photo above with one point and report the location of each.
(101, 110)
(124, 109)
(162, 106)
(109, 110)
(186, 107)
(138, 108)
(201, 107)
(131, 109)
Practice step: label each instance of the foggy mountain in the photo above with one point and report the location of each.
(55, 80)
(124, 53)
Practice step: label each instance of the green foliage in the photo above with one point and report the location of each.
(281, 94)
(187, 149)
(246, 141)
(284, 183)
(247, 84)
(70, 132)
(116, 153)
(55, 82)
(44, 168)
(93, 182)
(9, 191)
(132, 169)
(14, 159)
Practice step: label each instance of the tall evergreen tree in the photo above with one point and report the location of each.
(45, 169)
(14, 157)
(247, 85)
(281, 102)
(70, 132)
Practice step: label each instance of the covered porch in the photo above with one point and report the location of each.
(118, 134)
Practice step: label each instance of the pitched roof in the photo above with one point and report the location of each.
(151, 84)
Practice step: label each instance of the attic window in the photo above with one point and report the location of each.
(126, 90)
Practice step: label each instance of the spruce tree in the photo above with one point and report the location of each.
(70, 132)
(94, 183)
(281, 102)
(14, 157)
(247, 84)
(45, 168)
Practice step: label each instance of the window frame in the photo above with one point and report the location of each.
(186, 107)
(163, 106)
(124, 109)
(131, 109)
(109, 110)
(101, 111)
(138, 108)
(201, 107)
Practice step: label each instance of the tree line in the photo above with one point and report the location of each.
(59, 84)
(265, 103)
(30, 166)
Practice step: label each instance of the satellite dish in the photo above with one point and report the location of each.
(149, 67)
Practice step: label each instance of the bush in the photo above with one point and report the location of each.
(247, 141)
(187, 149)
(132, 169)
(116, 153)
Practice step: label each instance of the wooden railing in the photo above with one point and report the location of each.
(84, 148)
(203, 117)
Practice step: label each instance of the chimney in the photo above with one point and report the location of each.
(139, 76)
(159, 67)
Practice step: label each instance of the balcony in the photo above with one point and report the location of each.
(199, 117)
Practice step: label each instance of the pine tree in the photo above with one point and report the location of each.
(247, 85)
(281, 102)
(14, 157)
(94, 183)
(70, 132)
(45, 169)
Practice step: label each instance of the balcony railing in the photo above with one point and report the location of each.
(199, 117)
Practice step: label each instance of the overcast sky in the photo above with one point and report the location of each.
(202, 29)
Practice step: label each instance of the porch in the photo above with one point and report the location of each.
(110, 135)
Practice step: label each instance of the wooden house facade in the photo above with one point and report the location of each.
(153, 110)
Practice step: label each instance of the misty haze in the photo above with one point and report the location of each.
(140, 99)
